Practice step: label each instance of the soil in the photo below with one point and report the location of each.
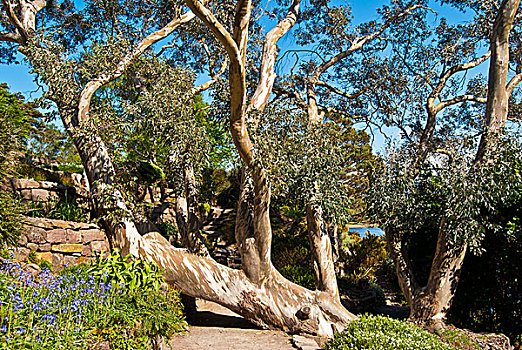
(217, 328)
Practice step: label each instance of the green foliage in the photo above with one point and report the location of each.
(69, 168)
(378, 332)
(18, 120)
(301, 275)
(324, 162)
(459, 340)
(145, 172)
(362, 256)
(77, 311)
(45, 265)
(133, 274)
(59, 209)
(167, 229)
(11, 219)
(450, 189)
(55, 146)
(291, 256)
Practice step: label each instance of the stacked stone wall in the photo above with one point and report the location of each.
(42, 191)
(61, 242)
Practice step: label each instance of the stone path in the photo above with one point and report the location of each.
(217, 328)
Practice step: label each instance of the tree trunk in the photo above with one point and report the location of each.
(187, 218)
(321, 247)
(431, 304)
(498, 97)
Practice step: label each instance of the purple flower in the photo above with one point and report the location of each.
(3, 328)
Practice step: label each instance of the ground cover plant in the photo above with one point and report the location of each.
(379, 332)
(80, 309)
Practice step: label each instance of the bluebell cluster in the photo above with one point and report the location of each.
(36, 305)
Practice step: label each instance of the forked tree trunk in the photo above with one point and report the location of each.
(261, 293)
(321, 247)
(264, 297)
(429, 304)
(187, 218)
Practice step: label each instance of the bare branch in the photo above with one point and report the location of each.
(197, 89)
(224, 37)
(15, 21)
(11, 37)
(433, 109)
(513, 83)
(267, 74)
(357, 44)
(443, 104)
(344, 94)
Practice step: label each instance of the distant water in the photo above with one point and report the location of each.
(362, 231)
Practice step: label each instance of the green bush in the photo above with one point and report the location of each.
(379, 333)
(10, 219)
(291, 256)
(300, 275)
(133, 274)
(62, 209)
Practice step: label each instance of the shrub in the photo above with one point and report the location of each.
(133, 274)
(10, 219)
(61, 209)
(291, 256)
(362, 256)
(379, 332)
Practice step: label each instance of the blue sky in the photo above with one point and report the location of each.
(20, 80)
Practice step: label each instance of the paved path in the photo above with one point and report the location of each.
(217, 328)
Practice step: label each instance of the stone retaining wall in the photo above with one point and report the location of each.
(61, 242)
(41, 191)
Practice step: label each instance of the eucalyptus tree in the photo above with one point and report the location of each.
(107, 34)
(444, 180)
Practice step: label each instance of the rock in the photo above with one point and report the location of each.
(61, 224)
(70, 260)
(67, 248)
(84, 260)
(33, 269)
(305, 343)
(38, 222)
(42, 195)
(86, 251)
(73, 236)
(47, 256)
(21, 253)
(46, 247)
(99, 246)
(32, 246)
(36, 235)
(57, 236)
(57, 261)
(27, 195)
(51, 185)
(92, 235)
(25, 183)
